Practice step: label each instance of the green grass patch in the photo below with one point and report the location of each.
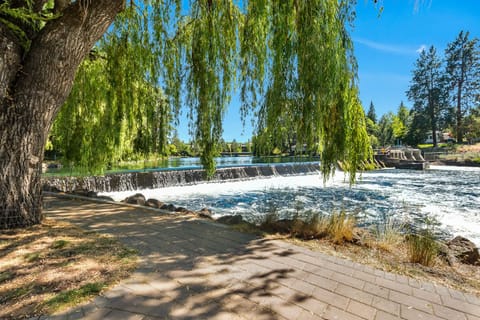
(127, 253)
(4, 276)
(32, 256)
(75, 296)
(59, 244)
(17, 293)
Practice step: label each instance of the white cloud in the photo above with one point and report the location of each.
(421, 48)
(391, 48)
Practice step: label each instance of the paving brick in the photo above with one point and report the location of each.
(361, 309)
(426, 295)
(447, 313)
(470, 317)
(379, 273)
(457, 294)
(321, 282)
(308, 315)
(385, 316)
(364, 276)
(376, 290)
(332, 313)
(414, 283)
(410, 313)
(402, 279)
(330, 298)
(355, 294)
(348, 280)
(472, 299)
(287, 310)
(462, 306)
(311, 304)
(302, 286)
(390, 276)
(98, 315)
(117, 314)
(441, 290)
(394, 286)
(411, 301)
(386, 305)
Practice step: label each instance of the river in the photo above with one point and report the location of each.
(445, 198)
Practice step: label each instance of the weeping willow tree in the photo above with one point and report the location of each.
(290, 59)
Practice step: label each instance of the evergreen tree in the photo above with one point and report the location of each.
(463, 72)
(386, 135)
(428, 90)
(371, 114)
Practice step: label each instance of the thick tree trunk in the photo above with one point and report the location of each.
(32, 90)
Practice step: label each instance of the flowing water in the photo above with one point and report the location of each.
(450, 196)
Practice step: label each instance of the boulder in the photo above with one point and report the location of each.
(84, 193)
(106, 198)
(464, 250)
(154, 203)
(168, 207)
(446, 254)
(361, 236)
(205, 213)
(237, 219)
(181, 210)
(136, 199)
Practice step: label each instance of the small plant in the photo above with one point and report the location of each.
(74, 296)
(59, 244)
(422, 248)
(313, 228)
(340, 227)
(32, 257)
(389, 235)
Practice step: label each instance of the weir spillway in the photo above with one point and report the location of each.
(138, 180)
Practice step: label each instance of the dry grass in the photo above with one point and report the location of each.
(55, 265)
(422, 248)
(337, 226)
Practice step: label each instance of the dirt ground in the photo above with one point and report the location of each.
(55, 265)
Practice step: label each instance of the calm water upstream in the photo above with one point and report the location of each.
(448, 195)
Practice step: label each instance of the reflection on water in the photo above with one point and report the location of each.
(174, 163)
(450, 195)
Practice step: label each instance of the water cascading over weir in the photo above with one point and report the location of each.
(129, 181)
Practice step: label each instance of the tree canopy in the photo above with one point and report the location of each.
(292, 62)
(290, 59)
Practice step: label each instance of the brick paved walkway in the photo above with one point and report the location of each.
(195, 269)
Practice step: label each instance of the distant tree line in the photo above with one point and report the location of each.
(445, 92)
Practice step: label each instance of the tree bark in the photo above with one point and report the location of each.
(33, 87)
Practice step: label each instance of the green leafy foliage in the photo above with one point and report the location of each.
(293, 59)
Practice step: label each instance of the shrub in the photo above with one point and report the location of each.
(340, 227)
(313, 228)
(389, 235)
(422, 248)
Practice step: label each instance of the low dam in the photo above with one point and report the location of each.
(401, 158)
(139, 180)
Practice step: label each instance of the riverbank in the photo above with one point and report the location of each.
(198, 269)
(386, 249)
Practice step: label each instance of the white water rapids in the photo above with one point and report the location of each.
(448, 195)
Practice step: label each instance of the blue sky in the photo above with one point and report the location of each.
(386, 46)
